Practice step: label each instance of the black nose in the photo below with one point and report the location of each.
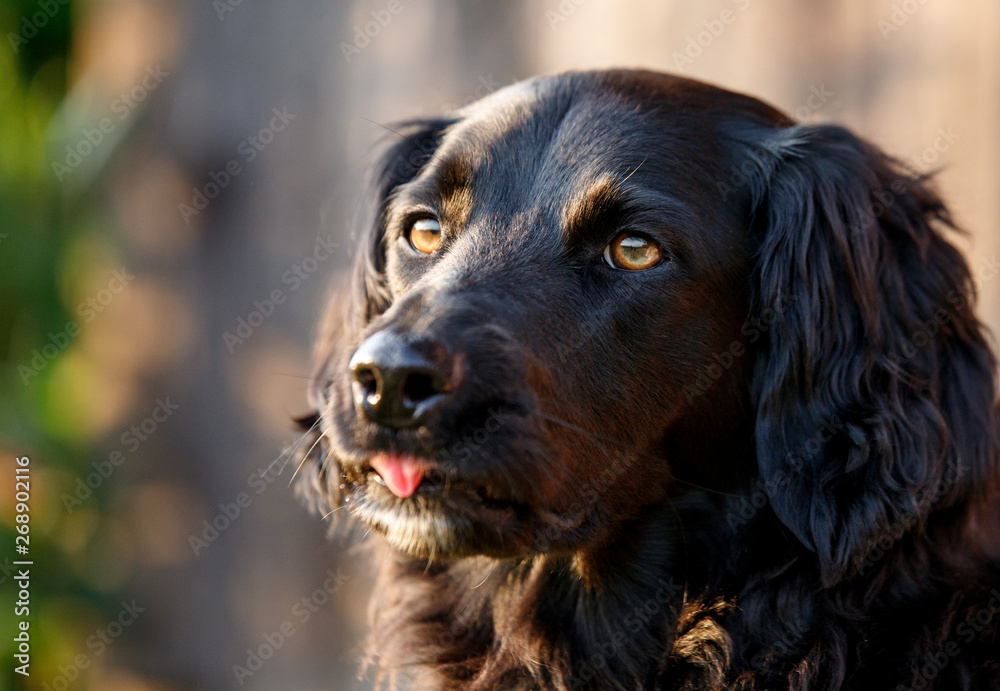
(398, 384)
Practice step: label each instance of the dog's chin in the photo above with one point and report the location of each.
(443, 524)
(459, 522)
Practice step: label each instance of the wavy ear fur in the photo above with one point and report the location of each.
(874, 390)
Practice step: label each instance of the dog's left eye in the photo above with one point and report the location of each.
(632, 253)
(424, 235)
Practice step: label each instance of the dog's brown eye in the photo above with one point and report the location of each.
(425, 235)
(632, 253)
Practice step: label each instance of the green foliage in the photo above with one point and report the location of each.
(38, 232)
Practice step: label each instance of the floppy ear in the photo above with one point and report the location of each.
(365, 297)
(874, 386)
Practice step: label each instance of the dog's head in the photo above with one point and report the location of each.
(587, 293)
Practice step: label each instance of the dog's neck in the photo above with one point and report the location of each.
(586, 620)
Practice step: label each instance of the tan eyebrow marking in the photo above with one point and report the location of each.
(454, 187)
(600, 195)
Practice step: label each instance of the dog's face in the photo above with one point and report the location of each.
(588, 292)
(558, 268)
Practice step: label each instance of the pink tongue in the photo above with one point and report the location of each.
(402, 474)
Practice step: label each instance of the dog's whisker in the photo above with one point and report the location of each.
(636, 170)
(332, 511)
(571, 426)
(305, 456)
(706, 489)
(307, 377)
(288, 453)
(489, 572)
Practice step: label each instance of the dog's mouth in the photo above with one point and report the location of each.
(428, 510)
(405, 476)
(444, 493)
(402, 474)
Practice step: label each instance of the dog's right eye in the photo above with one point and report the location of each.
(632, 253)
(424, 235)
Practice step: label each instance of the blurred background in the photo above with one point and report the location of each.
(176, 181)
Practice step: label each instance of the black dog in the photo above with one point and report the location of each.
(647, 386)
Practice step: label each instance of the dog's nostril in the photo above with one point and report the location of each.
(419, 386)
(365, 376)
